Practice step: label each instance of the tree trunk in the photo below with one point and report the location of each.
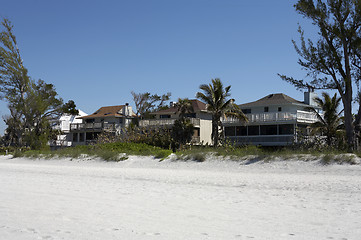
(215, 129)
(214, 132)
(357, 126)
(347, 101)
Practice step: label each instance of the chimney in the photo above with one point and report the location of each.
(310, 96)
(126, 109)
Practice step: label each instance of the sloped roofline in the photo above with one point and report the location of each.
(197, 105)
(107, 111)
(274, 99)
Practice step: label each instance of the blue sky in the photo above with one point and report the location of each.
(97, 52)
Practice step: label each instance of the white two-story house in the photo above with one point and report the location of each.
(64, 139)
(274, 120)
(111, 119)
(200, 118)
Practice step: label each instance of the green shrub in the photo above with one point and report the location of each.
(110, 156)
(107, 151)
(199, 157)
(135, 149)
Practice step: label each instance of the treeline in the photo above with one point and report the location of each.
(32, 104)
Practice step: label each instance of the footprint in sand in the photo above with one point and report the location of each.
(47, 237)
(152, 234)
(32, 230)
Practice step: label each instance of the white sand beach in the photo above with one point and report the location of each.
(142, 198)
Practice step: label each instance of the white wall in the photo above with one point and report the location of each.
(205, 131)
(66, 119)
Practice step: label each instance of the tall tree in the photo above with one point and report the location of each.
(31, 104)
(218, 103)
(184, 106)
(70, 108)
(43, 105)
(329, 123)
(183, 129)
(14, 82)
(146, 102)
(331, 61)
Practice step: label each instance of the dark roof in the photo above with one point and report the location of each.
(272, 99)
(196, 104)
(110, 111)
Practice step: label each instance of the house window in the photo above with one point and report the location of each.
(286, 129)
(265, 109)
(164, 116)
(90, 120)
(190, 115)
(246, 111)
(196, 132)
(75, 137)
(91, 136)
(268, 129)
(253, 130)
(230, 131)
(81, 137)
(241, 131)
(280, 109)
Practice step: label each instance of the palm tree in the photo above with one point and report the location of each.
(184, 106)
(330, 123)
(216, 98)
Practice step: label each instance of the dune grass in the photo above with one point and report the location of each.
(108, 152)
(120, 151)
(199, 153)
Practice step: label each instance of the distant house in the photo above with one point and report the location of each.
(200, 118)
(111, 119)
(63, 124)
(274, 120)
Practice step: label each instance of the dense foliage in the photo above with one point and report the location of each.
(32, 104)
(334, 60)
(146, 103)
(329, 123)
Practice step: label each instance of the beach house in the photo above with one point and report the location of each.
(110, 119)
(200, 118)
(65, 139)
(274, 120)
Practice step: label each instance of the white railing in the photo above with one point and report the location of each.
(164, 122)
(307, 116)
(96, 126)
(156, 122)
(301, 116)
(60, 143)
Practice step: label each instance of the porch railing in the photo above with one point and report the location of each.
(165, 122)
(95, 126)
(301, 116)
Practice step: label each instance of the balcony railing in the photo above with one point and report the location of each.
(165, 122)
(300, 116)
(95, 126)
